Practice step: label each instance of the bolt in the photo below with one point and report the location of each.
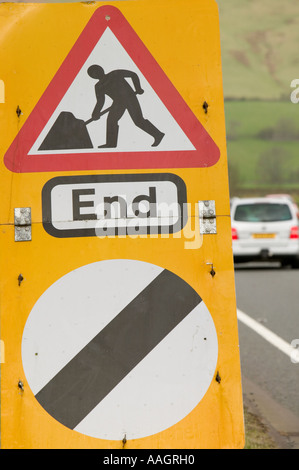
(21, 385)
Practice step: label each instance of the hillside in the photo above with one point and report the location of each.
(259, 48)
(259, 43)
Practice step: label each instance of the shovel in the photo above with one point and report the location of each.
(101, 114)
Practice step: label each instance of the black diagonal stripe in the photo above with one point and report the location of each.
(117, 349)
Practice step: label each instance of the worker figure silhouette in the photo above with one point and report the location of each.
(115, 85)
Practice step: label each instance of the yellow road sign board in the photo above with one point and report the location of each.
(118, 311)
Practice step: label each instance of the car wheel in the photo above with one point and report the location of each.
(285, 263)
(295, 263)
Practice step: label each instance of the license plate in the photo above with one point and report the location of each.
(263, 235)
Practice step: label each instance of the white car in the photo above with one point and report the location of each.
(288, 197)
(265, 229)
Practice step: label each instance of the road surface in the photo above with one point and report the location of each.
(269, 296)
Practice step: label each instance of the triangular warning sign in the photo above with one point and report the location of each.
(110, 106)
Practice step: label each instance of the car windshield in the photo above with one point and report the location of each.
(262, 212)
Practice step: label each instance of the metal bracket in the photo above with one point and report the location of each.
(22, 224)
(207, 217)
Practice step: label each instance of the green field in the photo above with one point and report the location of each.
(263, 146)
(248, 118)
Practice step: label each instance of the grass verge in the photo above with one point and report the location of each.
(256, 433)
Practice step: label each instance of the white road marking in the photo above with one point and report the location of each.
(267, 334)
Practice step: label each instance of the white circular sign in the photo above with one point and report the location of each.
(119, 348)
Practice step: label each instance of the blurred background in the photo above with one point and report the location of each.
(260, 60)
